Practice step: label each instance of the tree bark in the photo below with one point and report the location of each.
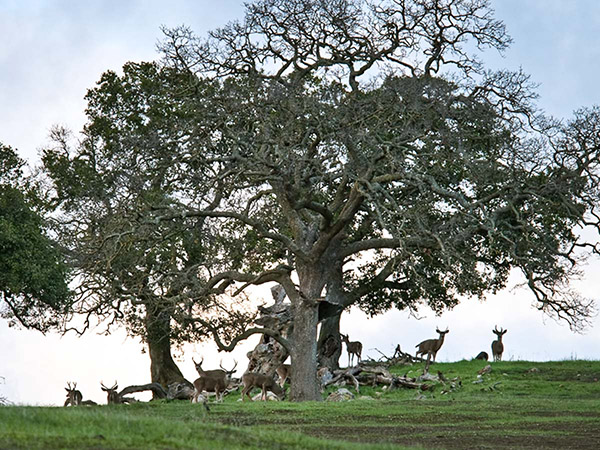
(329, 345)
(304, 385)
(163, 369)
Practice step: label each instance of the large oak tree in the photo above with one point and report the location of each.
(356, 153)
(394, 168)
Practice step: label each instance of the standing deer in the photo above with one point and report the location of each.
(215, 380)
(431, 346)
(497, 345)
(74, 397)
(266, 383)
(283, 371)
(354, 348)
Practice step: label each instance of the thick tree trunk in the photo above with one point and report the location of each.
(329, 344)
(158, 336)
(304, 385)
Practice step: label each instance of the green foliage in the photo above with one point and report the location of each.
(33, 270)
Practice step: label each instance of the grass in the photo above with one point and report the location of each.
(519, 404)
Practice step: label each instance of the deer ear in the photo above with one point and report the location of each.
(67, 390)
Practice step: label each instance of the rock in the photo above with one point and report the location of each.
(428, 377)
(180, 391)
(324, 375)
(341, 395)
(270, 397)
(486, 369)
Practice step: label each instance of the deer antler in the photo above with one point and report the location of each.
(228, 371)
(115, 386)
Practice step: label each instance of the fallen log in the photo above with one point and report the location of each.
(156, 389)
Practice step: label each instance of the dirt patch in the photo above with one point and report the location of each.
(553, 436)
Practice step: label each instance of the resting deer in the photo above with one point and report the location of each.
(112, 396)
(74, 397)
(266, 383)
(283, 371)
(483, 356)
(215, 380)
(354, 348)
(431, 346)
(497, 345)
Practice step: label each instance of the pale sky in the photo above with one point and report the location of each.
(54, 50)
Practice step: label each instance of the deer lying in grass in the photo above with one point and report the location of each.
(482, 356)
(112, 396)
(266, 383)
(431, 346)
(283, 371)
(74, 397)
(497, 345)
(212, 380)
(354, 348)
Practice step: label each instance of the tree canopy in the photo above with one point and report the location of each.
(33, 272)
(353, 152)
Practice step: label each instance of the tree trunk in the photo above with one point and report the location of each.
(158, 335)
(330, 345)
(268, 355)
(304, 385)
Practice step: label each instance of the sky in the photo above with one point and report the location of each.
(54, 50)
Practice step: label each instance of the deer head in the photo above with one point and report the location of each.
(228, 373)
(74, 397)
(112, 396)
(499, 332)
(198, 366)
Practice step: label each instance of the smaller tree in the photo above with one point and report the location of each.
(33, 272)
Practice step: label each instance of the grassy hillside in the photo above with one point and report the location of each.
(518, 405)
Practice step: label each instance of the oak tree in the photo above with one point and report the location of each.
(382, 163)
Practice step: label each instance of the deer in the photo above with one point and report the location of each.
(112, 396)
(266, 383)
(354, 348)
(74, 397)
(431, 346)
(215, 380)
(497, 345)
(283, 371)
(482, 356)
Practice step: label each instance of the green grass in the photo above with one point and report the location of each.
(556, 405)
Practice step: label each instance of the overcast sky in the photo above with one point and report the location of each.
(52, 51)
